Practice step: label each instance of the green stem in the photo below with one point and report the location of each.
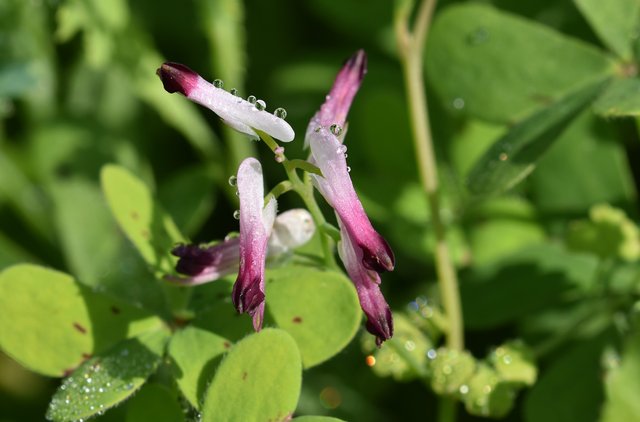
(411, 47)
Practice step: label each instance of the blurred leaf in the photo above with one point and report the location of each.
(514, 156)
(106, 380)
(571, 388)
(608, 233)
(189, 197)
(320, 310)
(15, 79)
(259, 379)
(195, 353)
(450, 370)
(50, 324)
(154, 402)
(621, 98)
(471, 141)
(476, 52)
(614, 21)
(485, 395)
(95, 250)
(501, 226)
(514, 363)
(388, 362)
(543, 274)
(316, 419)
(623, 385)
(149, 228)
(11, 253)
(586, 165)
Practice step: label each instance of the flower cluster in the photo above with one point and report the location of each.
(364, 253)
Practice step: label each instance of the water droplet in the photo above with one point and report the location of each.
(124, 352)
(507, 359)
(487, 389)
(348, 169)
(503, 156)
(233, 92)
(128, 386)
(432, 354)
(464, 389)
(410, 346)
(261, 105)
(236, 214)
(341, 149)
(218, 83)
(252, 99)
(477, 37)
(335, 129)
(280, 113)
(458, 103)
(233, 180)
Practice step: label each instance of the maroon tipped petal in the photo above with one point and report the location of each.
(247, 296)
(380, 259)
(194, 259)
(381, 326)
(177, 77)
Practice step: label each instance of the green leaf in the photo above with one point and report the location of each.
(154, 402)
(586, 165)
(50, 324)
(571, 388)
(195, 354)
(544, 274)
(485, 395)
(501, 67)
(614, 21)
(106, 380)
(514, 156)
(15, 79)
(320, 310)
(450, 370)
(148, 227)
(623, 384)
(259, 379)
(189, 197)
(621, 98)
(316, 419)
(388, 362)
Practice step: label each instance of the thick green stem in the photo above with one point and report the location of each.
(411, 46)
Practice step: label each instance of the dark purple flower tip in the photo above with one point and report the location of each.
(380, 259)
(194, 259)
(381, 326)
(177, 77)
(358, 62)
(247, 297)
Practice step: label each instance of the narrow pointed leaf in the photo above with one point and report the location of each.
(614, 21)
(621, 98)
(318, 308)
(501, 67)
(512, 157)
(108, 379)
(148, 227)
(50, 324)
(259, 379)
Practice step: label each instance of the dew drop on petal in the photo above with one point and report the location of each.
(261, 105)
(218, 83)
(335, 129)
(252, 99)
(432, 354)
(233, 91)
(236, 214)
(280, 113)
(233, 180)
(348, 169)
(458, 103)
(341, 149)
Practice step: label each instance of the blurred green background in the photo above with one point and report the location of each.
(78, 90)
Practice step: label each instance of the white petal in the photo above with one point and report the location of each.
(291, 229)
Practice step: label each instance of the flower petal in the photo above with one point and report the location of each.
(336, 187)
(367, 282)
(291, 229)
(235, 111)
(204, 264)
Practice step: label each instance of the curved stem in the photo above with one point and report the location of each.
(411, 47)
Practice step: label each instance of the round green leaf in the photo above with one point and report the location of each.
(154, 402)
(195, 354)
(259, 379)
(476, 53)
(50, 324)
(106, 380)
(320, 310)
(148, 227)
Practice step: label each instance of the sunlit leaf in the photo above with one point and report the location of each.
(154, 402)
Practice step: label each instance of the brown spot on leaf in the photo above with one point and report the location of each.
(297, 320)
(145, 234)
(80, 328)
(67, 372)
(115, 310)
(226, 344)
(244, 376)
(86, 356)
(134, 215)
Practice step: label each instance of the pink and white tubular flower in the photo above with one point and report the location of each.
(256, 224)
(203, 264)
(236, 112)
(364, 252)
